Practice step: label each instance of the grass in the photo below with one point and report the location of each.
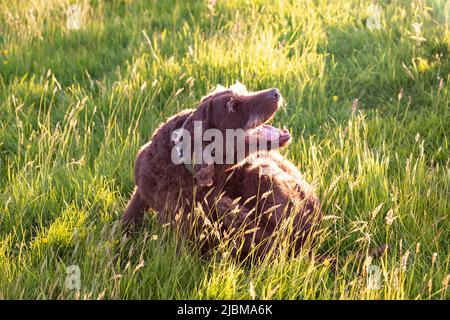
(75, 106)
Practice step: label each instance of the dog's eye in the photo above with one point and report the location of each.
(232, 107)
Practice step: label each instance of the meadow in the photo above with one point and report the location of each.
(368, 108)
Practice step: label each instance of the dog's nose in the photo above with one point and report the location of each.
(274, 94)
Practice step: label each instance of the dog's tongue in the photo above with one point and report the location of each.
(271, 134)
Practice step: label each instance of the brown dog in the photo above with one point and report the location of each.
(248, 198)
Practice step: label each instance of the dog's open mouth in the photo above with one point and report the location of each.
(269, 134)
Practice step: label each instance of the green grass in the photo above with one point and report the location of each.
(75, 106)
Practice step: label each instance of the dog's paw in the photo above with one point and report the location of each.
(204, 176)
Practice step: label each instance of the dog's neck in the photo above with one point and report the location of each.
(219, 167)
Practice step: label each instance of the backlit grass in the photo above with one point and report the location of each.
(368, 110)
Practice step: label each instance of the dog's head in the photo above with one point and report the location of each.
(236, 108)
(246, 113)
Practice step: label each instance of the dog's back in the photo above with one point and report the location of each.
(155, 175)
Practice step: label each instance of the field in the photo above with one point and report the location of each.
(368, 109)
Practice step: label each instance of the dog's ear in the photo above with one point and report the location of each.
(204, 172)
(203, 113)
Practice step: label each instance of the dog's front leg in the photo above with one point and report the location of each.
(240, 228)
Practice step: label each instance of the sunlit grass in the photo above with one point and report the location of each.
(76, 105)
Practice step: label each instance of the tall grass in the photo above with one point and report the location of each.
(368, 109)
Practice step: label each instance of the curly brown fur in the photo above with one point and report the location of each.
(248, 199)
